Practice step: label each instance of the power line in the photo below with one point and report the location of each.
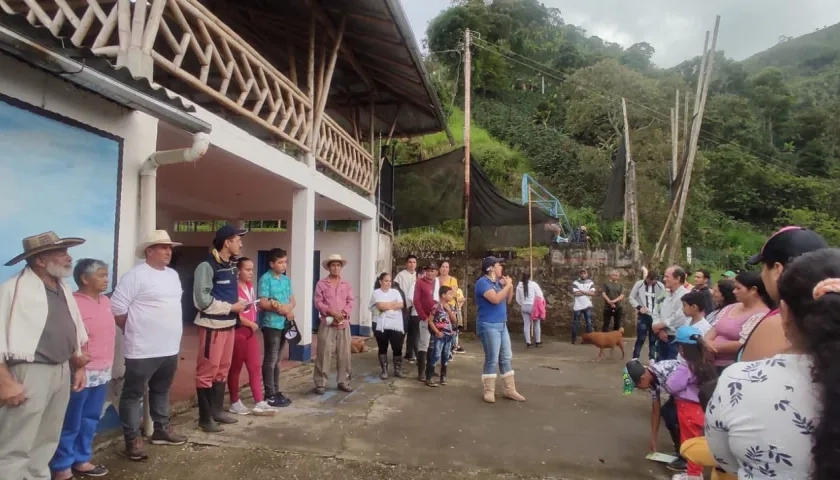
(710, 137)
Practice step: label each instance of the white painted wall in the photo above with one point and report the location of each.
(138, 130)
(347, 244)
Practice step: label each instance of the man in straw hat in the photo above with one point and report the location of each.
(147, 307)
(334, 301)
(216, 296)
(41, 339)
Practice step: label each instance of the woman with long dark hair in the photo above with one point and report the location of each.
(527, 292)
(778, 418)
(388, 303)
(723, 295)
(724, 339)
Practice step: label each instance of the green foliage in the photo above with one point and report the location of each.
(537, 253)
(418, 243)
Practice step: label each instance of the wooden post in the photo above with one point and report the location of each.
(327, 77)
(675, 139)
(467, 116)
(630, 188)
(310, 92)
(626, 171)
(530, 236)
(703, 90)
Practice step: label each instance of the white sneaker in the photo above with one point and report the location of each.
(239, 408)
(680, 476)
(263, 409)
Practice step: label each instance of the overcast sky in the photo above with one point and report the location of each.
(676, 28)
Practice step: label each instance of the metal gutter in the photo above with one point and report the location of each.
(411, 43)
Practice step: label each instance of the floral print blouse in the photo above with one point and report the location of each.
(761, 417)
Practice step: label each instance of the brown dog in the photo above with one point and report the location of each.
(604, 340)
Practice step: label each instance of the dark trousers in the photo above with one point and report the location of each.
(615, 314)
(667, 350)
(389, 337)
(644, 322)
(668, 412)
(157, 373)
(413, 329)
(586, 314)
(273, 341)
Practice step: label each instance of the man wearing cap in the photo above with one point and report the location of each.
(41, 338)
(147, 307)
(728, 275)
(668, 315)
(216, 296)
(334, 301)
(768, 337)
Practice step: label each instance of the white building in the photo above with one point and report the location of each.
(121, 116)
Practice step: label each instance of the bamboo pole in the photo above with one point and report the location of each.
(675, 138)
(530, 236)
(467, 122)
(630, 188)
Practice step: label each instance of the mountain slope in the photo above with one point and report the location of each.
(808, 55)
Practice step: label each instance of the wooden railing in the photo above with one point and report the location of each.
(184, 39)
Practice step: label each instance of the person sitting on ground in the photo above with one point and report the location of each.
(768, 337)
(388, 303)
(684, 383)
(75, 449)
(441, 333)
(778, 417)
(724, 338)
(246, 348)
(277, 302)
(41, 339)
(723, 295)
(527, 291)
(334, 300)
(653, 378)
(643, 298)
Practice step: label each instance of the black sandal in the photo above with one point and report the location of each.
(96, 471)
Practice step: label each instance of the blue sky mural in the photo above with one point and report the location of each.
(59, 177)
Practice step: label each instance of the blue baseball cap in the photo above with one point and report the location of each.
(687, 335)
(488, 262)
(229, 231)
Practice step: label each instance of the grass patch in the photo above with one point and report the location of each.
(539, 252)
(419, 243)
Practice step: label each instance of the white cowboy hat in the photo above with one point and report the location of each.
(333, 258)
(44, 242)
(158, 237)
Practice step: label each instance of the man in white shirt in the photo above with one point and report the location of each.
(643, 299)
(405, 279)
(147, 307)
(583, 289)
(668, 315)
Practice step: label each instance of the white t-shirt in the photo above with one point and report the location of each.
(761, 417)
(703, 325)
(152, 300)
(584, 301)
(534, 291)
(389, 319)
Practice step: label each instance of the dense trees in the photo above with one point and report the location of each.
(769, 150)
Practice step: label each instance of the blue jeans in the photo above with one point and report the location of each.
(644, 331)
(586, 313)
(496, 342)
(80, 422)
(439, 351)
(666, 350)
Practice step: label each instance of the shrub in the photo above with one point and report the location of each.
(420, 243)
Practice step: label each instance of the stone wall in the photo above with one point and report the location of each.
(554, 273)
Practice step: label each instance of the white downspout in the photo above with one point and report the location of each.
(148, 208)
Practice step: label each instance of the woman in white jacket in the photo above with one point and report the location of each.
(526, 292)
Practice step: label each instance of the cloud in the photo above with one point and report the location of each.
(677, 29)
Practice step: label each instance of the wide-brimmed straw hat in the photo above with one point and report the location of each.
(44, 242)
(332, 259)
(158, 237)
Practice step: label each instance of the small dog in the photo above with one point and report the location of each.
(604, 340)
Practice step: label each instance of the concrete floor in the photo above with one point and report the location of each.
(576, 424)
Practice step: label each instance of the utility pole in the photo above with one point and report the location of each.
(467, 122)
(675, 139)
(630, 188)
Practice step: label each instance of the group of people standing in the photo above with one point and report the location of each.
(751, 381)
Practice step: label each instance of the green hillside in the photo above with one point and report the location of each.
(808, 55)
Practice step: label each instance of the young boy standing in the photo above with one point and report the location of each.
(277, 303)
(693, 306)
(440, 344)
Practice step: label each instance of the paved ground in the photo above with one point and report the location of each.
(576, 424)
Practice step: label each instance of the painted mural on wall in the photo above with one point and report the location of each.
(56, 176)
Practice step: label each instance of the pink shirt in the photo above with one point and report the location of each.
(247, 293)
(728, 328)
(339, 297)
(101, 330)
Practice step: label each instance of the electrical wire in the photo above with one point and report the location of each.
(652, 113)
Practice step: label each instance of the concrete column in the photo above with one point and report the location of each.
(367, 274)
(301, 253)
